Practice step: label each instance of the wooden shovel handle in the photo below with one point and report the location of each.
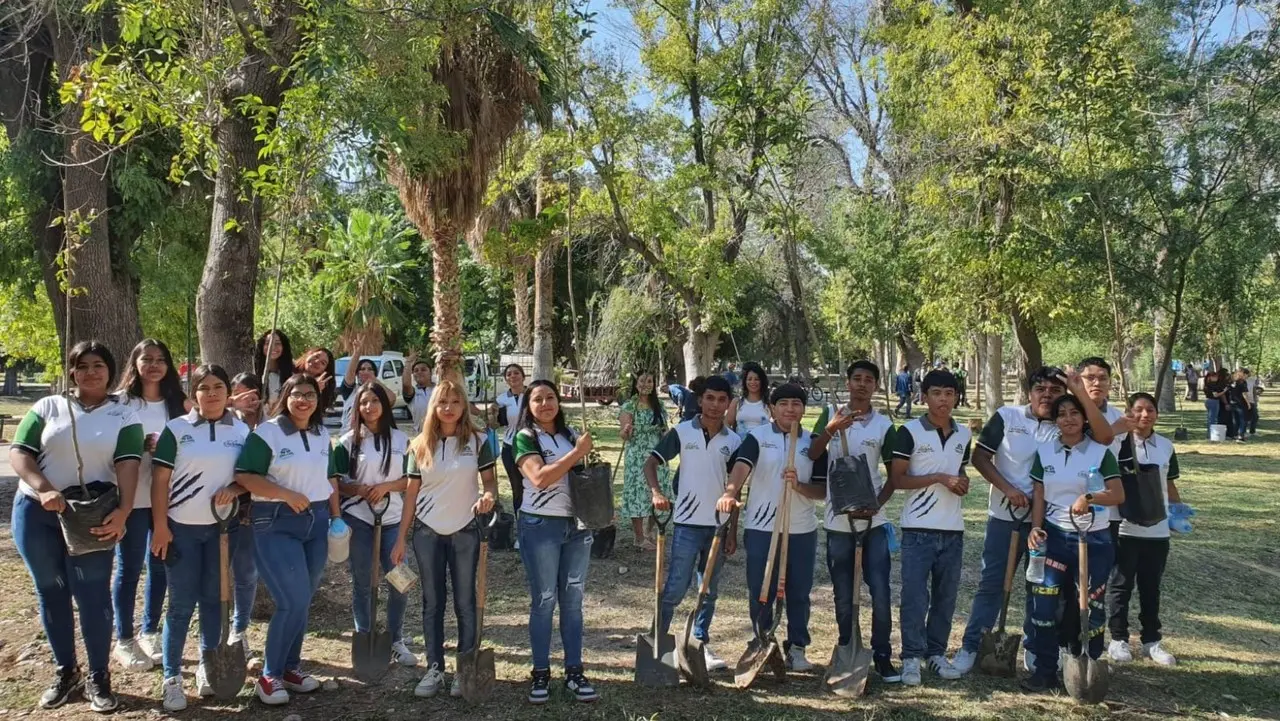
(657, 599)
(710, 567)
(786, 511)
(768, 564)
(224, 567)
(482, 589)
(1084, 594)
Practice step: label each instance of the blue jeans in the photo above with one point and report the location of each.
(904, 399)
(58, 578)
(291, 550)
(875, 572)
(359, 561)
(990, 595)
(1212, 405)
(555, 554)
(1049, 599)
(1242, 418)
(456, 556)
(132, 551)
(931, 563)
(801, 556)
(194, 578)
(244, 574)
(690, 546)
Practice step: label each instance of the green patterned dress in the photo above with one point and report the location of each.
(636, 498)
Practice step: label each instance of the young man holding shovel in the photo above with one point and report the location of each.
(763, 456)
(705, 446)
(860, 430)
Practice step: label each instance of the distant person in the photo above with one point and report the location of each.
(751, 410)
(731, 375)
(1241, 405)
(1256, 387)
(1193, 377)
(902, 386)
(962, 380)
(1215, 389)
(686, 398)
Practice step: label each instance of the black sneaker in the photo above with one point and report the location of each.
(539, 688)
(98, 689)
(887, 672)
(578, 685)
(1036, 683)
(65, 683)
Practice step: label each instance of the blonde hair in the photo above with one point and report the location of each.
(424, 444)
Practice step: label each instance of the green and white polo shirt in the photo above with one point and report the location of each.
(704, 468)
(1113, 414)
(871, 438)
(449, 489)
(930, 449)
(765, 451)
(153, 415)
(107, 434)
(1155, 450)
(293, 459)
(369, 471)
(1012, 435)
(1064, 472)
(510, 403)
(202, 455)
(418, 405)
(553, 500)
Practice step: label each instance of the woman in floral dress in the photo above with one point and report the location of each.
(643, 421)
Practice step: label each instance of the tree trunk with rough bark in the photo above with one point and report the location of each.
(520, 293)
(700, 343)
(1164, 379)
(800, 323)
(993, 373)
(446, 300)
(908, 348)
(544, 274)
(1029, 346)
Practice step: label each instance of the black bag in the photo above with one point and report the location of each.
(1144, 502)
(502, 532)
(849, 483)
(603, 540)
(84, 512)
(590, 492)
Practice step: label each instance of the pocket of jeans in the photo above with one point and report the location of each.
(529, 520)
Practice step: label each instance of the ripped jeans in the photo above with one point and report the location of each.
(555, 554)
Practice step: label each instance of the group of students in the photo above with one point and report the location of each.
(1231, 400)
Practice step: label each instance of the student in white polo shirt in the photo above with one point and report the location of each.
(416, 386)
(1143, 551)
(448, 466)
(763, 457)
(369, 460)
(929, 459)
(287, 466)
(856, 429)
(194, 466)
(705, 447)
(1061, 499)
(507, 417)
(44, 457)
(1096, 374)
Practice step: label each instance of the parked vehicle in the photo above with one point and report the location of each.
(390, 365)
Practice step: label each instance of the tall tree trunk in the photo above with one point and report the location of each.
(1128, 366)
(543, 314)
(700, 343)
(520, 291)
(1024, 328)
(799, 319)
(994, 373)
(1165, 357)
(446, 300)
(909, 348)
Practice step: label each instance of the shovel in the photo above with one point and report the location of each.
(371, 650)
(692, 650)
(224, 664)
(1087, 680)
(998, 655)
(476, 673)
(656, 653)
(851, 663)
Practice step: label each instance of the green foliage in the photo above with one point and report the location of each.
(364, 270)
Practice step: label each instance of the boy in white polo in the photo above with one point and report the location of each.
(705, 446)
(929, 459)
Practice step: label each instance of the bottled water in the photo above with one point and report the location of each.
(1035, 566)
(891, 535)
(1096, 485)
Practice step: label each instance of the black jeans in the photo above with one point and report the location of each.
(514, 477)
(1252, 415)
(1140, 562)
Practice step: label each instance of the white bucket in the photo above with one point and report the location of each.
(1217, 433)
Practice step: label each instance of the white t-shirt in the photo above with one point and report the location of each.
(107, 434)
(934, 507)
(751, 415)
(511, 403)
(296, 460)
(765, 450)
(871, 439)
(418, 405)
(369, 471)
(1065, 474)
(203, 457)
(554, 500)
(1012, 436)
(1156, 450)
(1113, 414)
(704, 469)
(154, 415)
(451, 486)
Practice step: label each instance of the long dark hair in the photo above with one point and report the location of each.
(284, 366)
(381, 434)
(175, 400)
(1069, 400)
(526, 417)
(753, 367)
(281, 404)
(90, 347)
(330, 369)
(659, 413)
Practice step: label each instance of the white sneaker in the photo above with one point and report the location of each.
(1156, 653)
(943, 668)
(153, 646)
(401, 654)
(173, 696)
(430, 684)
(203, 689)
(796, 660)
(271, 691)
(714, 662)
(456, 689)
(1119, 651)
(1028, 661)
(131, 657)
(911, 672)
(963, 661)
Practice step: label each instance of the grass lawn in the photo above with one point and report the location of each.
(1221, 619)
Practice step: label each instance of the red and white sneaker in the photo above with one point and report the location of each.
(271, 691)
(299, 682)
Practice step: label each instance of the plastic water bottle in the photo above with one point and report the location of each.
(891, 536)
(1096, 485)
(1035, 566)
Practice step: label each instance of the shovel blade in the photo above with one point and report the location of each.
(224, 669)
(848, 670)
(660, 672)
(1086, 680)
(691, 653)
(998, 655)
(761, 652)
(476, 675)
(370, 655)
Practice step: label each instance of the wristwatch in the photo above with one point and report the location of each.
(1088, 497)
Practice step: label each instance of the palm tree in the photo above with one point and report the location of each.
(489, 87)
(364, 272)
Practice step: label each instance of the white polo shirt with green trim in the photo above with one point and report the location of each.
(1158, 451)
(153, 415)
(704, 468)
(369, 471)
(510, 403)
(1064, 472)
(554, 500)
(1012, 435)
(202, 455)
(930, 449)
(871, 438)
(451, 486)
(107, 434)
(766, 449)
(295, 460)
(418, 405)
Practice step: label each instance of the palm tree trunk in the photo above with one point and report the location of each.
(446, 300)
(543, 318)
(520, 290)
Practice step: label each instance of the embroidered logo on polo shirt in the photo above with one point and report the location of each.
(233, 444)
(870, 442)
(724, 451)
(768, 444)
(691, 446)
(925, 448)
(186, 440)
(116, 412)
(1049, 469)
(285, 453)
(959, 450)
(1017, 430)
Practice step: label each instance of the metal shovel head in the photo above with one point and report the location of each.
(848, 670)
(998, 655)
(660, 672)
(371, 654)
(224, 669)
(1087, 680)
(691, 653)
(476, 674)
(761, 652)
